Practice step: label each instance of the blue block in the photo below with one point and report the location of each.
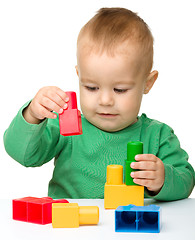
(133, 218)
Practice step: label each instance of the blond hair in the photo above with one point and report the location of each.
(113, 26)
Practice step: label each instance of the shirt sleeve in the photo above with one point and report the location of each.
(33, 144)
(179, 174)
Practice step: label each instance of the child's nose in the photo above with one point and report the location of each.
(106, 98)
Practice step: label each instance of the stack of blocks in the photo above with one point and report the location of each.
(134, 217)
(117, 193)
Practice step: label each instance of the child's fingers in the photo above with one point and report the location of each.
(62, 95)
(145, 162)
(45, 113)
(144, 165)
(46, 100)
(146, 157)
(151, 175)
(144, 182)
(50, 105)
(49, 114)
(57, 96)
(144, 174)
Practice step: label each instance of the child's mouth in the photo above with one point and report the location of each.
(107, 115)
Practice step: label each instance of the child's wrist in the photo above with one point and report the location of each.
(29, 118)
(154, 192)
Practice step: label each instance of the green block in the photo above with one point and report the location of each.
(133, 148)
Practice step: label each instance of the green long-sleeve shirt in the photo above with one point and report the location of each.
(81, 161)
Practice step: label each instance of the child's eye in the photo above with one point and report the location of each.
(91, 88)
(120, 90)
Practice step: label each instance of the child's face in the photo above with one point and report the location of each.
(111, 89)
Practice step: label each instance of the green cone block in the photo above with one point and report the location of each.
(133, 149)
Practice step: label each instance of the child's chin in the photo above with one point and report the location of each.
(109, 128)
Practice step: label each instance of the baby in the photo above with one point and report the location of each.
(114, 63)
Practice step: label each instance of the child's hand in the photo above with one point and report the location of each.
(151, 174)
(47, 99)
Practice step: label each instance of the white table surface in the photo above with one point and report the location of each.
(178, 222)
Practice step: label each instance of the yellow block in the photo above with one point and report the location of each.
(115, 174)
(88, 215)
(65, 215)
(122, 195)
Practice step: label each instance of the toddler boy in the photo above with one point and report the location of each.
(114, 62)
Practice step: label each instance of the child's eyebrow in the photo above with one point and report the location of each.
(87, 80)
(125, 82)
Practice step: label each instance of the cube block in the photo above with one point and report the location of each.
(120, 195)
(65, 215)
(19, 207)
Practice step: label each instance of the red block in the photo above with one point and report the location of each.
(34, 210)
(19, 207)
(70, 118)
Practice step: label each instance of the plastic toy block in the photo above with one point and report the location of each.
(116, 193)
(133, 148)
(19, 207)
(70, 118)
(39, 211)
(70, 215)
(34, 210)
(138, 219)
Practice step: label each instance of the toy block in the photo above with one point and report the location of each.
(19, 207)
(116, 193)
(132, 218)
(133, 148)
(34, 210)
(70, 215)
(70, 118)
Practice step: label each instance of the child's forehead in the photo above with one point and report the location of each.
(85, 47)
(131, 51)
(118, 66)
(120, 58)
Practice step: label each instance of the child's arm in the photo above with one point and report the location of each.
(35, 144)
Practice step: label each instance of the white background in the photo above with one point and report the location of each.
(38, 48)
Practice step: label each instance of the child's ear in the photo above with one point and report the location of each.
(150, 81)
(77, 71)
